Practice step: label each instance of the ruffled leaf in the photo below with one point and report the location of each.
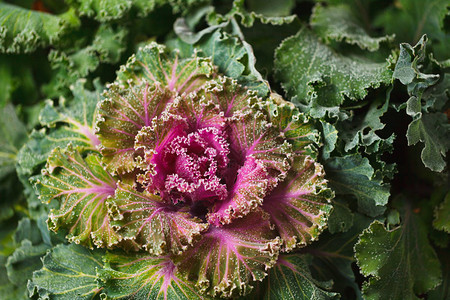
(427, 100)
(84, 58)
(298, 206)
(319, 79)
(338, 23)
(141, 276)
(232, 56)
(227, 259)
(68, 272)
(353, 175)
(81, 186)
(156, 64)
(152, 223)
(292, 125)
(248, 18)
(265, 161)
(23, 30)
(70, 122)
(122, 114)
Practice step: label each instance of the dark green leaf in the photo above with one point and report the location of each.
(353, 175)
(401, 263)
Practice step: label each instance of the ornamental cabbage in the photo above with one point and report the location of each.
(190, 180)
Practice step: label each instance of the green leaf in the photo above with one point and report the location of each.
(24, 261)
(228, 259)
(341, 217)
(71, 122)
(12, 135)
(151, 223)
(334, 257)
(434, 131)
(23, 30)
(400, 262)
(293, 126)
(154, 63)
(8, 290)
(338, 23)
(139, 276)
(298, 206)
(428, 96)
(318, 79)
(231, 55)
(81, 186)
(280, 8)
(353, 175)
(68, 272)
(442, 215)
(122, 115)
(361, 130)
(408, 67)
(82, 59)
(290, 279)
(248, 18)
(442, 291)
(410, 19)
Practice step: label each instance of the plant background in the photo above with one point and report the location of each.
(376, 87)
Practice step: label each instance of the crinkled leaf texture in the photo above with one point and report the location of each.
(23, 30)
(201, 181)
(338, 23)
(429, 125)
(319, 79)
(68, 272)
(291, 279)
(400, 262)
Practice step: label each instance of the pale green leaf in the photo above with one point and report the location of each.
(140, 276)
(70, 122)
(123, 113)
(152, 223)
(68, 272)
(81, 186)
(154, 63)
(299, 205)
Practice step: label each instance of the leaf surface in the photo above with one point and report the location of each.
(318, 79)
(81, 186)
(298, 206)
(400, 262)
(68, 272)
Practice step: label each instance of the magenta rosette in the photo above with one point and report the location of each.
(197, 179)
